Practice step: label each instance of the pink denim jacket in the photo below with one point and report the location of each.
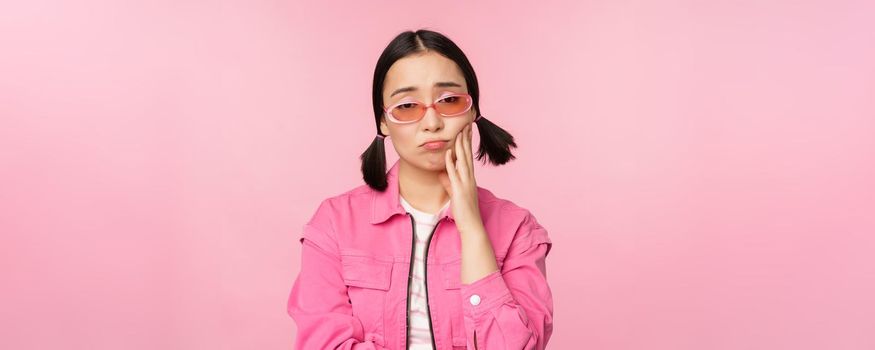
(351, 291)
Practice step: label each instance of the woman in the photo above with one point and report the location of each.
(420, 257)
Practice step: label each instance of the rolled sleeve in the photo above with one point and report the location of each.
(484, 293)
(512, 308)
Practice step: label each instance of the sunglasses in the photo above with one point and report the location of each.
(449, 105)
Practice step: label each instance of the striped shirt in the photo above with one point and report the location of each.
(420, 332)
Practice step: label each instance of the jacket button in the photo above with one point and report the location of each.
(475, 300)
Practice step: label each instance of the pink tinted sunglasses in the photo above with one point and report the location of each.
(449, 105)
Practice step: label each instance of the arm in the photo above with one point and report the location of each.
(514, 306)
(318, 301)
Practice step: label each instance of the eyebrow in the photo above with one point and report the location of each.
(413, 88)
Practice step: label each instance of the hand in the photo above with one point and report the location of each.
(478, 258)
(460, 184)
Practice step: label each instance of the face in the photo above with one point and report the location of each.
(420, 77)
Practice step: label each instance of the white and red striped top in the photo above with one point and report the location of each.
(420, 333)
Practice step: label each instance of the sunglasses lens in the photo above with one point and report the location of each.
(452, 105)
(408, 111)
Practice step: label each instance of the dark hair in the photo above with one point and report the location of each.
(494, 141)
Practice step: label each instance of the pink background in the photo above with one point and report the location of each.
(706, 169)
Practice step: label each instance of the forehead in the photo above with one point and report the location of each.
(422, 71)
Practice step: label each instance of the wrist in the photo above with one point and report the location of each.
(472, 230)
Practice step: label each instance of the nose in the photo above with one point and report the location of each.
(432, 120)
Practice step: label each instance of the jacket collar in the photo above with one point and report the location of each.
(388, 203)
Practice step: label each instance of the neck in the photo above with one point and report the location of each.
(421, 187)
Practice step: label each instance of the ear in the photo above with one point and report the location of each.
(384, 129)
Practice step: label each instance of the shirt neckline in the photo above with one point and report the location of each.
(420, 215)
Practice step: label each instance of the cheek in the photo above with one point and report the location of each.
(459, 126)
(403, 139)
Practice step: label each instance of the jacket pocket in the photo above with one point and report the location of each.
(368, 279)
(452, 274)
(452, 281)
(366, 271)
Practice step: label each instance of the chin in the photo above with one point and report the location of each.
(433, 164)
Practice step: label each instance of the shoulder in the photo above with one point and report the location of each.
(507, 209)
(329, 207)
(361, 194)
(321, 226)
(511, 219)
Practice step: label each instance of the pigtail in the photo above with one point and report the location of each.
(374, 164)
(494, 142)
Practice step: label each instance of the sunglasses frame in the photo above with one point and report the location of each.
(396, 121)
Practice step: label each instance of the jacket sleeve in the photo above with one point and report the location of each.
(512, 308)
(318, 301)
